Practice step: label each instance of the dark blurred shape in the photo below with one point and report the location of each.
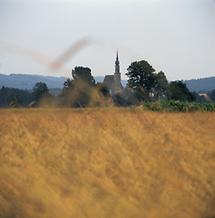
(77, 91)
(70, 52)
(179, 91)
(40, 89)
(58, 63)
(12, 97)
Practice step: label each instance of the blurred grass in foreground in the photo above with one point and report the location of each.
(106, 163)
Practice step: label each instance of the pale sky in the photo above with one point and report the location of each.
(176, 36)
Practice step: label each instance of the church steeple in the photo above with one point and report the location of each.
(113, 82)
(117, 66)
(117, 74)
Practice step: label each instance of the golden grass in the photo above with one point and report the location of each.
(106, 163)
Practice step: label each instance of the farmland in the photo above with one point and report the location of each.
(106, 162)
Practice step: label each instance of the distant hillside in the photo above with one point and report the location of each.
(26, 81)
(198, 85)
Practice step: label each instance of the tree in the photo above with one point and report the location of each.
(179, 91)
(141, 78)
(14, 102)
(11, 97)
(40, 90)
(80, 75)
(145, 82)
(160, 85)
(77, 91)
(83, 74)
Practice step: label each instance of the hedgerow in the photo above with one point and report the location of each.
(179, 106)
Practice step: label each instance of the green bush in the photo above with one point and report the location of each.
(179, 106)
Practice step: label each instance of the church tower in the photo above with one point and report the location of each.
(113, 82)
(117, 74)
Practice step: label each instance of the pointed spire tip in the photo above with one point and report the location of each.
(117, 55)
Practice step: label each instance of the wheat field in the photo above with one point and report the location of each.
(107, 162)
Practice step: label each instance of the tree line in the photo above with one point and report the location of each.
(81, 90)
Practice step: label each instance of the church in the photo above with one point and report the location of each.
(113, 82)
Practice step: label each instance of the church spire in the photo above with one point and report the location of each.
(117, 66)
(117, 56)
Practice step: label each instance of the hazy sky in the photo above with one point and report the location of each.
(176, 36)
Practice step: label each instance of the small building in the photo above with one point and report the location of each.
(113, 82)
(204, 97)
